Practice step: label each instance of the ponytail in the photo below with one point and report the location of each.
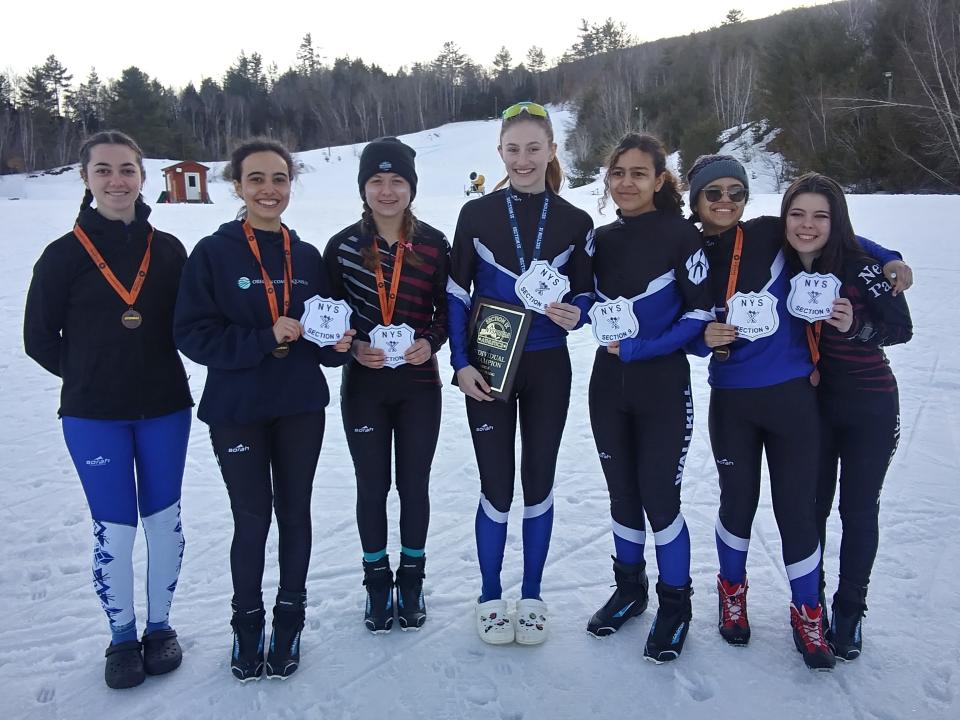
(668, 197)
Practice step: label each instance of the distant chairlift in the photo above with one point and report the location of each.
(476, 185)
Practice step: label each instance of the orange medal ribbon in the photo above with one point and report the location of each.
(283, 348)
(723, 352)
(131, 318)
(813, 342)
(735, 264)
(388, 304)
(267, 282)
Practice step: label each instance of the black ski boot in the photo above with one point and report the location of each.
(411, 610)
(246, 660)
(289, 613)
(845, 636)
(670, 626)
(627, 601)
(378, 578)
(124, 667)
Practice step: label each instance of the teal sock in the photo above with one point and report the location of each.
(374, 556)
(412, 553)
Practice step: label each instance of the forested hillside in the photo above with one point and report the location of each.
(867, 90)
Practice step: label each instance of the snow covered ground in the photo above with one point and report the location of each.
(53, 632)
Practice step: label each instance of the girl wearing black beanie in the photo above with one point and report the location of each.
(392, 270)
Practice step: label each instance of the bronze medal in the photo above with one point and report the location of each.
(283, 349)
(722, 353)
(131, 319)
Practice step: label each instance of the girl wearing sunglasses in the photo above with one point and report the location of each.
(641, 408)
(859, 404)
(498, 237)
(762, 401)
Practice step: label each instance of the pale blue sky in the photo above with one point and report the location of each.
(177, 49)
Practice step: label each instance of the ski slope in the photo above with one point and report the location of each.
(53, 632)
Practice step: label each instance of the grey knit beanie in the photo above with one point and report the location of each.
(708, 168)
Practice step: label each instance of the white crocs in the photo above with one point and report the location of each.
(493, 622)
(531, 621)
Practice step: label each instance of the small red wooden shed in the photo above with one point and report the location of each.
(185, 182)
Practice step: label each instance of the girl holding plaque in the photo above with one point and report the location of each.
(859, 403)
(99, 315)
(243, 288)
(654, 297)
(761, 365)
(501, 238)
(392, 270)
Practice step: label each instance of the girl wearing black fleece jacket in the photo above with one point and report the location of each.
(99, 315)
(859, 403)
(242, 290)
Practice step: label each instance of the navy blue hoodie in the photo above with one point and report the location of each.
(223, 321)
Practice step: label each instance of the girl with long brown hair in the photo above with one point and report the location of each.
(498, 239)
(391, 268)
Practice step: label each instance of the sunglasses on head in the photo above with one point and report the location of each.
(528, 107)
(735, 194)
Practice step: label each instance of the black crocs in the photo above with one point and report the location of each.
(124, 668)
(161, 652)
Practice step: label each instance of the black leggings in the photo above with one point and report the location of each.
(541, 396)
(860, 431)
(642, 418)
(379, 407)
(783, 421)
(269, 465)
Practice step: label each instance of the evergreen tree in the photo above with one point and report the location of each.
(536, 60)
(733, 17)
(85, 105)
(307, 63)
(502, 62)
(138, 107)
(58, 80)
(37, 93)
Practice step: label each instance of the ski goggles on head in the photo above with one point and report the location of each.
(734, 194)
(528, 107)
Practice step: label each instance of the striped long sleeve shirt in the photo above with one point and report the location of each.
(421, 296)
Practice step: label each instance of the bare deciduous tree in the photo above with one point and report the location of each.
(733, 83)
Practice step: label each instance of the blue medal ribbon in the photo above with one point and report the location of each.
(516, 229)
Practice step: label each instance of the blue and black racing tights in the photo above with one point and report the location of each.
(131, 469)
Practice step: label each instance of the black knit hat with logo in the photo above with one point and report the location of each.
(708, 168)
(388, 155)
